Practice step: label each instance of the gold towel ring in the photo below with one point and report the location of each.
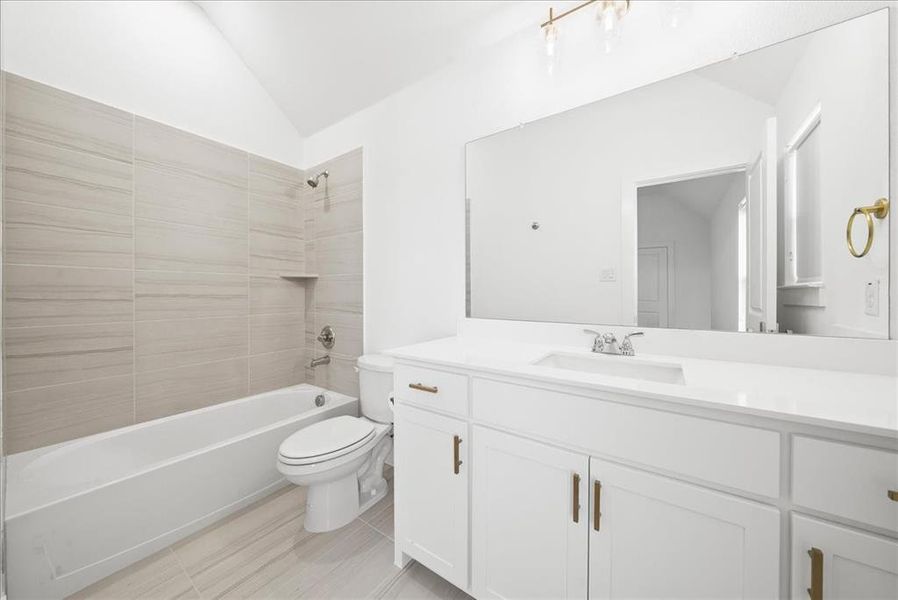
(880, 210)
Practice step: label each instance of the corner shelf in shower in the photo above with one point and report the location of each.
(298, 276)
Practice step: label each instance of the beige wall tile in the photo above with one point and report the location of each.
(41, 356)
(275, 189)
(183, 197)
(270, 333)
(276, 370)
(66, 296)
(339, 254)
(39, 112)
(275, 295)
(339, 293)
(168, 344)
(269, 168)
(168, 148)
(271, 215)
(344, 170)
(272, 254)
(339, 215)
(174, 247)
(50, 235)
(174, 295)
(171, 391)
(348, 327)
(49, 415)
(48, 174)
(339, 375)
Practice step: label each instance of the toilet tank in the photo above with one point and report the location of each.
(376, 386)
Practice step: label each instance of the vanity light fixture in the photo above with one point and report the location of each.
(609, 17)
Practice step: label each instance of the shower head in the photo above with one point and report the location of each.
(313, 182)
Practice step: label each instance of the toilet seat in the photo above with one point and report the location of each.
(326, 440)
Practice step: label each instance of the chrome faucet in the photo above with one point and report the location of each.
(606, 343)
(317, 362)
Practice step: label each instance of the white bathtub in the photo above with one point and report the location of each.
(81, 510)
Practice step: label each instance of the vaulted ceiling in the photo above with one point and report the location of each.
(323, 61)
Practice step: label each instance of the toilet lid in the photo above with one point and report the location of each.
(327, 439)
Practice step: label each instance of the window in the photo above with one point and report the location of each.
(803, 228)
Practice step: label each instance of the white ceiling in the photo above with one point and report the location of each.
(323, 61)
(701, 195)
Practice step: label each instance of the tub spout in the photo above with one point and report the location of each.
(317, 362)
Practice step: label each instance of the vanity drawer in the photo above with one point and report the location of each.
(735, 456)
(430, 388)
(845, 480)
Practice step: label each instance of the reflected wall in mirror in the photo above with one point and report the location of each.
(715, 200)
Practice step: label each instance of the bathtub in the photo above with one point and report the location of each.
(81, 510)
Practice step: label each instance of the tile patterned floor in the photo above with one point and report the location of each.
(264, 552)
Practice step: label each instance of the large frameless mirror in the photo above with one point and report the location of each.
(718, 200)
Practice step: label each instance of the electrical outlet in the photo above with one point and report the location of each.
(871, 298)
(608, 274)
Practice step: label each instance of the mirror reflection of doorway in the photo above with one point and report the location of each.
(692, 260)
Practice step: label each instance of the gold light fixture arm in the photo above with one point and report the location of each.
(880, 210)
(553, 18)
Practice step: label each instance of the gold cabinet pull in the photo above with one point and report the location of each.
(456, 460)
(597, 504)
(816, 589)
(430, 389)
(893, 495)
(576, 496)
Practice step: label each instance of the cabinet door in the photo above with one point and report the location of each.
(432, 492)
(654, 537)
(529, 519)
(850, 564)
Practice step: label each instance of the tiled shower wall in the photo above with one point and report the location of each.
(333, 232)
(141, 269)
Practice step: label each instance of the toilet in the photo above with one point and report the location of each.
(341, 459)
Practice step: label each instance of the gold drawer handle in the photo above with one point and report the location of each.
(430, 389)
(880, 210)
(816, 589)
(576, 496)
(893, 495)
(597, 505)
(456, 458)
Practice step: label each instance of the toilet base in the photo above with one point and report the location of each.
(332, 505)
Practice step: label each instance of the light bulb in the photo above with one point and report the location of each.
(550, 35)
(609, 16)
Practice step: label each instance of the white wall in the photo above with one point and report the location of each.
(161, 60)
(665, 220)
(571, 173)
(725, 259)
(854, 146)
(414, 140)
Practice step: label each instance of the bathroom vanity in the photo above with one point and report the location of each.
(549, 471)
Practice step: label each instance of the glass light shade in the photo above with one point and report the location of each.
(609, 17)
(550, 36)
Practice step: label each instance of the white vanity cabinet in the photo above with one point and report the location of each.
(529, 518)
(431, 500)
(841, 563)
(655, 537)
(510, 487)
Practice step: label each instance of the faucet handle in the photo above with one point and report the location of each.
(597, 344)
(626, 346)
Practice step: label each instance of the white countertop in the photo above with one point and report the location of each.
(850, 401)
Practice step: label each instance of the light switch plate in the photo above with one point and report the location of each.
(608, 274)
(871, 298)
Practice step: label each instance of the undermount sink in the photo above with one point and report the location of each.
(616, 366)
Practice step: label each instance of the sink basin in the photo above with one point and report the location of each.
(616, 366)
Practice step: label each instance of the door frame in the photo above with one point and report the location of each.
(629, 242)
(671, 248)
